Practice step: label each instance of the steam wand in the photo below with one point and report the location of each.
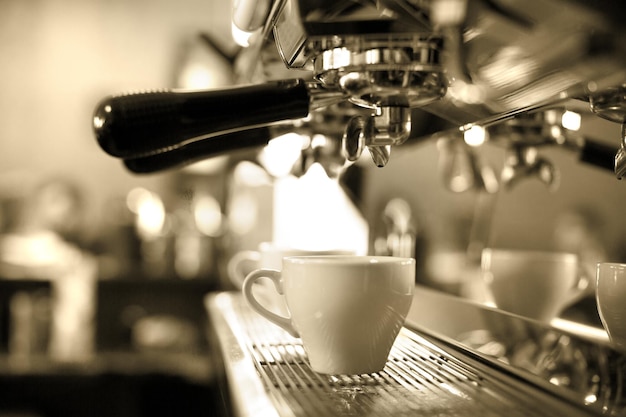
(620, 157)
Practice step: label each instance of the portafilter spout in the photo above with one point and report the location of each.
(390, 126)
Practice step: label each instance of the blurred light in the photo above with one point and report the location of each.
(591, 399)
(207, 215)
(244, 213)
(318, 141)
(241, 37)
(372, 56)
(188, 258)
(467, 93)
(341, 57)
(571, 120)
(197, 76)
(459, 184)
(475, 136)
(250, 174)
(149, 210)
(282, 152)
(313, 212)
(134, 198)
(557, 133)
(208, 166)
(448, 12)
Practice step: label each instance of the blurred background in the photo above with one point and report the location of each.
(119, 262)
(67, 225)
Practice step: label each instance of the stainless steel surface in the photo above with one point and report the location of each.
(572, 361)
(477, 62)
(268, 374)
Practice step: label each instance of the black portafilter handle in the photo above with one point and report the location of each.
(142, 124)
(199, 150)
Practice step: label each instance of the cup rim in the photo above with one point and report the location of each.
(531, 254)
(619, 265)
(270, 247)
(348, 260)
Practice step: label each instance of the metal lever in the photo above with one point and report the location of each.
(143, 124)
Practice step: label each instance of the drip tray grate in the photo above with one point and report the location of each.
(419, 378)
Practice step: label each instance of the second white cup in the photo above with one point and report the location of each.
(534, 284)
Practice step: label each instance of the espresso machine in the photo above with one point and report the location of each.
(359, 72)
(373, 76)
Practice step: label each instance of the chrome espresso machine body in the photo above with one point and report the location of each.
(357, 71)
(364, 74)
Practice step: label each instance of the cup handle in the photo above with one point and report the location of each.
(235, 265)
(275, 276)
(580, 286)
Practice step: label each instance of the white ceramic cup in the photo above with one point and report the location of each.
(347, 309)
(611, 300)
(534, 284)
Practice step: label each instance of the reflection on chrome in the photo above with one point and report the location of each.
(567, 362)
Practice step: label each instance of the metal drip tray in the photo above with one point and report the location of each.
(268, 373)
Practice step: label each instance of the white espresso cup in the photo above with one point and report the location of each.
(534, 284)
(347, 309)
(611, 300)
